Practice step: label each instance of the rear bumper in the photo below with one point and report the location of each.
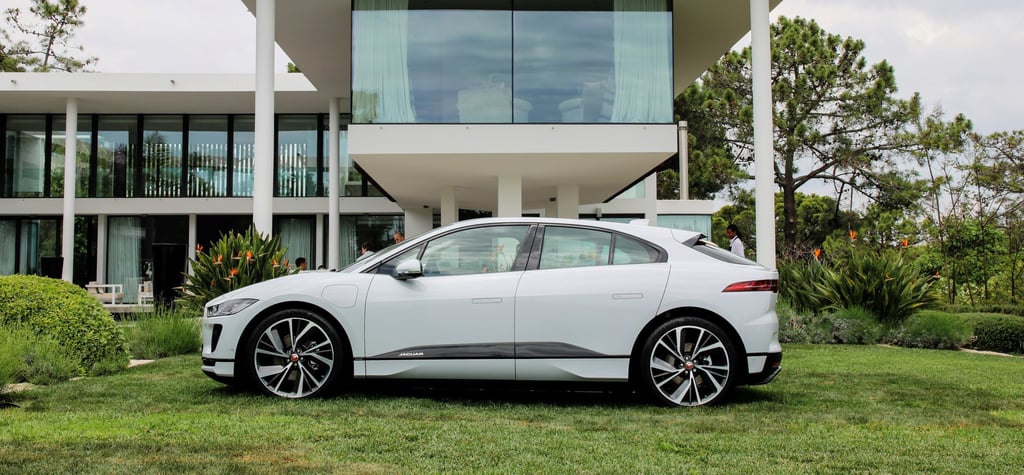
(772, 367)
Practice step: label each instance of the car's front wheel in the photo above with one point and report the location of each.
(688, 362)
(294, 353)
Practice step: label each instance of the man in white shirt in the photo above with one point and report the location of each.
(735, 244)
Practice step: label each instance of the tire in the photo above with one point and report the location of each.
(294, 353)
(688, 362)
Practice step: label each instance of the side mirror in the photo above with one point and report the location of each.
(409, 269)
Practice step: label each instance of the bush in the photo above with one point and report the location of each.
(36, 359)
(233, 262)
(802, 327)
(69, 316)
(1007, 309)
(885, 285)
(856, 325)
(933, 329)
(165, 332)
(994, 332)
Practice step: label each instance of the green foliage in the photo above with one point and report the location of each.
(165, 332)
(45, 46)
(994, 332)
(37, 359)
(234, 261)
(855, 325)
(1008, 309)
(68, 315)
(932, 329)
(884, 284)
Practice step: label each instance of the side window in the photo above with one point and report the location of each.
(631, 251)
(389, 266)
(574, 247)
(474, 251)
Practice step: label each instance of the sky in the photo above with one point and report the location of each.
(960, 55)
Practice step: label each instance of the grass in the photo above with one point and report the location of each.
(839, 409)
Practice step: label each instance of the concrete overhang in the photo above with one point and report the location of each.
(415, 163)
(105, 93)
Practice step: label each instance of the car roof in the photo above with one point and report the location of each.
(637, 228)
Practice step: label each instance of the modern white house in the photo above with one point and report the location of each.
(408, 114)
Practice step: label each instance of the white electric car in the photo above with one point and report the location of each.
(518, 299)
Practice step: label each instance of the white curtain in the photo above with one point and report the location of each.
(296, 237)
(347, 241)
(643, 79)
(380, 82)
(124, 251)
(7, 251)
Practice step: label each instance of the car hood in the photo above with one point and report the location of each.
(305, 283)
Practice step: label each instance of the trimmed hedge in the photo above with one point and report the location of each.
(68, 315)
(996, 332)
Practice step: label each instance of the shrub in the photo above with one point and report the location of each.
(165, 332)
(856, 325)
(797, 281)
(1008, 309)
(65, 313)
(932, 329)
(994, 332)
(802, 327)
(886, 285)
(37, 358)
(233, 262)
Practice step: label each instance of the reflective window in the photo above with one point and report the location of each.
(298, 238)
(161, 156)
(377, 232)
(25, 157)
(207, 156)
(245, 155)
(116, 145)
(501, 61)
(574, 247)
(297, 155)
(82, 151)
(474, 251)
(631, 251)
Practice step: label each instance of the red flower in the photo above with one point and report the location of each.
(905, 243)
(234, 271)
(853, 235)
(199, 247)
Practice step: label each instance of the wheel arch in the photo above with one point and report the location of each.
(697, 312)
(293, 305)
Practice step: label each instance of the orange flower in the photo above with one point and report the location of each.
(199, 247)
(905, 243)
(218, 260)
(248, 255)
(275, 263)
(234, 271)
(817, 254)
(853, 235)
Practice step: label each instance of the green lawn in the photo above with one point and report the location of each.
(833, 409)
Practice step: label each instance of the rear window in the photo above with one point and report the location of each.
(712, 250)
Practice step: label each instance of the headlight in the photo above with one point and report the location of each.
(230, 307)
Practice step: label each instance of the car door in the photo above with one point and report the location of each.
(585, 296)
(456, 321)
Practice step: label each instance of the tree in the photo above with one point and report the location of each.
(48, 47)
(836, 118)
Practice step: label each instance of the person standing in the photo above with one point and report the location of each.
(735, 243)
(301, 264)
(399, 237)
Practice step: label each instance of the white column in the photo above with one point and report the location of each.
(101, 248)
(192, 233)
(651, 199)
(551, 209)
(418, 221)
(764, 160)
(319, 251)
(510, 196)
(334, 186)
(67, 248)
(263, 173)
(568, 201)
(449, 209)
(684, 161)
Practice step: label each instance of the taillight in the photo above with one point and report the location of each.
(766, 285)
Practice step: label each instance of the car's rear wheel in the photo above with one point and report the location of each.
(294, 353)
(688, 362)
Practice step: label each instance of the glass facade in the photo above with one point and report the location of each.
(512, 61)
(170, 156)
(25, 157)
